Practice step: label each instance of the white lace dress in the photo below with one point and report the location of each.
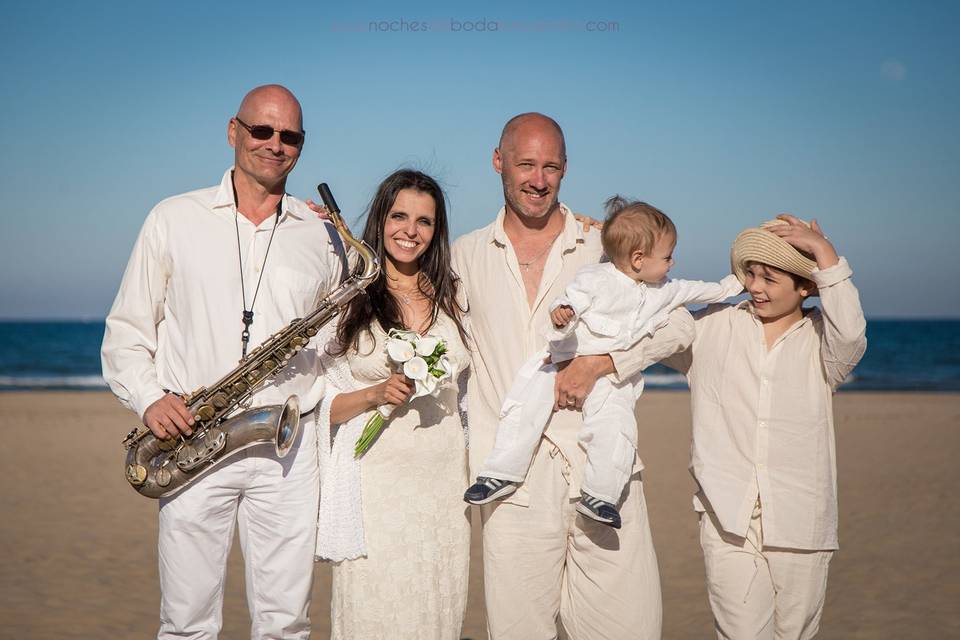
(412, 582)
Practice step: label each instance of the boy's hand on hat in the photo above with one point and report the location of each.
(808, 238)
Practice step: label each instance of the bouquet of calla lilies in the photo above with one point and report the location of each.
(422, 359)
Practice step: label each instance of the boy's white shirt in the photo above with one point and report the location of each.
(763, 419)
(613, 311)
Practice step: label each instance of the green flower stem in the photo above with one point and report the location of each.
(370, 432)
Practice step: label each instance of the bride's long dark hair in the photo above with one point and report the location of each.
(437, 281)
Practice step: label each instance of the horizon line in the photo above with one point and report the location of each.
(91, 320)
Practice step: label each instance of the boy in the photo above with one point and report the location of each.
(762, 375)
(607, 307)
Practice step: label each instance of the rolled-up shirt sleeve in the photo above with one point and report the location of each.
(844, 338)
(675, 336)
(130, 339)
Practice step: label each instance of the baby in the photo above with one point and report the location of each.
(607, 307)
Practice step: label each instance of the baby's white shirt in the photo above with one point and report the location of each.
(613, 311)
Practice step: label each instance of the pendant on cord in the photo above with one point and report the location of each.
(248, 315)
(245, 335)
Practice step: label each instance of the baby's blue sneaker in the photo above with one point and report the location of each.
(486, 490)
(599, 510)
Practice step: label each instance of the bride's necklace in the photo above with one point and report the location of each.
(406, 296)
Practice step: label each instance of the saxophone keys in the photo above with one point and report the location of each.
(206, 412)
(240, 388)
(131, 437)
(136, 474)
(219, 400)
(163, 476)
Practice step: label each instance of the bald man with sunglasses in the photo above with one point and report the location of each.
(214, 273)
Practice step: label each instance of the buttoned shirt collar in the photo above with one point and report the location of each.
(223, 199)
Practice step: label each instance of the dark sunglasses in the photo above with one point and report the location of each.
(265, 132)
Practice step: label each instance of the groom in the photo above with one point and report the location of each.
(541, 561)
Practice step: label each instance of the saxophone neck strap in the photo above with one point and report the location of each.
(247, 317)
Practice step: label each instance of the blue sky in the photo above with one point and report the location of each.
(720, 113)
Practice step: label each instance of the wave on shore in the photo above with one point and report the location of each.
(24, 383)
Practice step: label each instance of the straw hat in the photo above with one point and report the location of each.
(760, 245)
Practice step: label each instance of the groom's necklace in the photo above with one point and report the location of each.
(529, 263)
(247, 318)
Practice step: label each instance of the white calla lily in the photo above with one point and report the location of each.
(416, 368)
(411, 351)
(446, 366)
(399, 350)
(427, 386)
(426, 345)
(404, 334)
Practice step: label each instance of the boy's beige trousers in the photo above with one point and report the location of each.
(761, 593)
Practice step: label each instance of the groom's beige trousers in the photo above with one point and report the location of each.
(542, 561)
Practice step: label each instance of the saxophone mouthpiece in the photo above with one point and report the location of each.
(327, 197)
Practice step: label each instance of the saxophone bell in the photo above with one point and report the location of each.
(288, 426)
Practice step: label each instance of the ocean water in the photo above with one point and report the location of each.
(905, 355)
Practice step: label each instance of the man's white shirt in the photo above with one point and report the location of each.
(176, 321)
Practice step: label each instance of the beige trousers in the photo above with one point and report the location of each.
(761, 593)
(543, 562)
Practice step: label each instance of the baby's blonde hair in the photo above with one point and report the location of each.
(632, 225)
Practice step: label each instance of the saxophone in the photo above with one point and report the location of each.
(160, 468)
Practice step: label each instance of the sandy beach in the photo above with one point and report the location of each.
(80, 558)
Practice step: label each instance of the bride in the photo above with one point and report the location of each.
(394, 521)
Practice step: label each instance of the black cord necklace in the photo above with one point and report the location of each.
(248, 313)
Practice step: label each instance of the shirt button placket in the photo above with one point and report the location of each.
(763, 413)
